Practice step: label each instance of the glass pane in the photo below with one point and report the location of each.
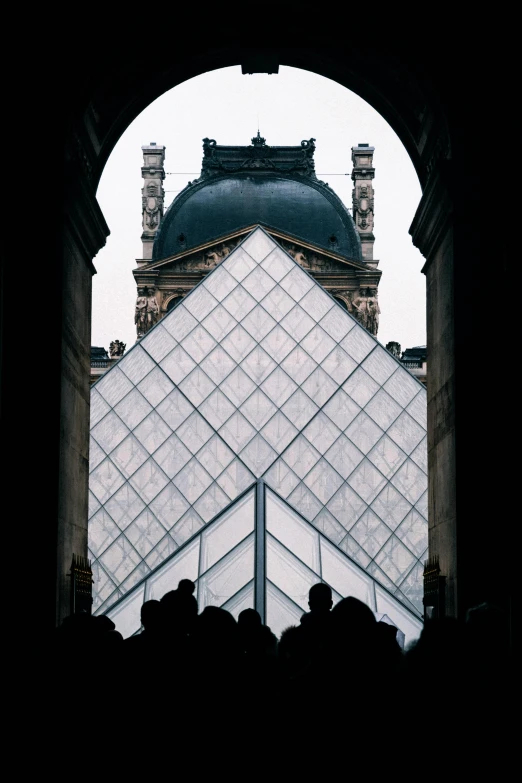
(391, 506)
(169, 506)
(228, 576)
(193, 480)
(239, 265)
(418, 409)
(93, 505)
(299, 409)
(172, 456)
(278, 303)
(327, 524)
(152, 432)
(298, 365)
(355, 551)
(301, 456)
(197, 386)
(215, 456)
(124, 506)
(159, 342)
(341, 409)
(346, 506)
(406, 432)
(109, 432)
(188, 525)
(258, 409)
(281, 478)
(258, 283)
(402, 386)
(155, 386)
(98, 407)
(258, 455)
(358, 344)
(239, 303)
(258, 244)
(337, 323)
(258, 323)
(174, 409)
(380, 364)
(145, 532)
(278, 343)
(296, 283)
(363, 432)
(194, 432)
(102, 532)
(258, 365)
(136, 364)
(114, 387)
(237, 432)
(420, 455)
(219, 323)
(291, 576)
(277, 264)
(279, 432)
(317, 302)
(211, 502)
(177, 364)
(226, 532)
(238, 386)
(238, 343)
(281, 613)
(343, 456)
(386, 456)
(343, 576)
(370, 533)
(218, 365)
(96, 454)
(235, 479)
(395, 559)
(217, 409)
(321, 432)
(183, 565)
(305, 502)
(360, 387)
(297, 323)
(129, 455)
(291, 531)
(161, 552)
(198, 343)
(278, 386)
(149, 480)
(319, 386)
(200, 302)
(338, 365)
(383, 409)
(105, 480)
(133, 408)
(323, 481)
(411, 481)
(318, 343)
(367, 481)
(120, 559)
(178, 323)
(219, 283)
(242, 600)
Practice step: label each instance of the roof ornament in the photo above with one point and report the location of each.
(258, 141)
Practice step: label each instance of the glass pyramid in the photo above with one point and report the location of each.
(258, 440)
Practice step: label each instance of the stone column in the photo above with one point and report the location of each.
(153, 195)
(362, 196)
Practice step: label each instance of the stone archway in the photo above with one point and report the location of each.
(421, 98)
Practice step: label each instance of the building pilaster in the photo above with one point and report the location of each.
(152, 196)
(362, 196)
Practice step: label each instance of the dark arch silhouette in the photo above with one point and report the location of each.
(446, 95)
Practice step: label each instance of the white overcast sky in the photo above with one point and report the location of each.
(228, 106)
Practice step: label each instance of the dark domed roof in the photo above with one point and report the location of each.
(243, 186)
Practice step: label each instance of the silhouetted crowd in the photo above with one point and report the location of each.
(339, 670)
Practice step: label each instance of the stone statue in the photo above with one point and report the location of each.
(116, 349)
(140, 312)
(360, 307)
(152, 308)
(373, 312)
(394, 348)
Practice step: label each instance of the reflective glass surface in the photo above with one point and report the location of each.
(259, 373)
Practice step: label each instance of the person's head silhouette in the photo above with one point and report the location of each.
(320, 598)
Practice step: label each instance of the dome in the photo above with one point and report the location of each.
(245, 186)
